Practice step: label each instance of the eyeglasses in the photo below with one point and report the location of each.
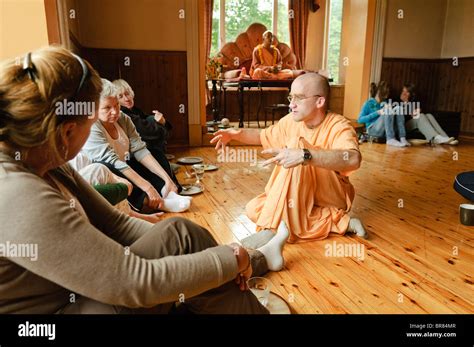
(297, 99)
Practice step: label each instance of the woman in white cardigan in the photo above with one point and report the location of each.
(114, 142)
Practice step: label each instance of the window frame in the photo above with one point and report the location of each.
(327, 28)
(222, 40)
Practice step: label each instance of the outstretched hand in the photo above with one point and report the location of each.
(223, 137)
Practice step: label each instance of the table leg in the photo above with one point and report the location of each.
(225, 101)
(241, 106)
(259, 104)
(215, 109)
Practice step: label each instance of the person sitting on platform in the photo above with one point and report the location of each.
(267, 61)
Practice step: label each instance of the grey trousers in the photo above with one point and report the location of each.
(178, 236)
(427, 125)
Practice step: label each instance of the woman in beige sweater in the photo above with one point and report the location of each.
(63, 248)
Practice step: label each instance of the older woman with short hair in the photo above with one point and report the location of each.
(115, 143)
(153, 129)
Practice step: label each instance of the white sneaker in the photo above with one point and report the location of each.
(395, 143)
(404, 142)
(453, 143)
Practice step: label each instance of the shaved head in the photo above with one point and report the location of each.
(310, 98)
(267, 33)
(314, 84)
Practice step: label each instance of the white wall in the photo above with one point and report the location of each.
(429, 29)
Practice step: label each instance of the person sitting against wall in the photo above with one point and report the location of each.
(153, 129)
(380, 119)
(424, 122)
(114, 142)
(114, 263)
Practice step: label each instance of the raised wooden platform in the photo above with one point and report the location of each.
(419, 259)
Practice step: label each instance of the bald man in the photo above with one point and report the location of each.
(315, 151)
(267, 61)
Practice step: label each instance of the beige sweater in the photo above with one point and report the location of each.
(87, 257)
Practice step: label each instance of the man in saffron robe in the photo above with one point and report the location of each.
(315, 151)
(267, 61)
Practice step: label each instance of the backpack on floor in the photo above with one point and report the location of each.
(464, 185)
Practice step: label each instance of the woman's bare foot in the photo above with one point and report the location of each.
(152, 218)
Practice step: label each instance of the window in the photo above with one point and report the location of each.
(334, 39)
(240, 14)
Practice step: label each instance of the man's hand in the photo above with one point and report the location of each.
(223, 137)
(288, 158)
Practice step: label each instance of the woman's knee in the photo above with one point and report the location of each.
(185, 228)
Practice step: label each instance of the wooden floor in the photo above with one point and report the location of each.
(419, 258)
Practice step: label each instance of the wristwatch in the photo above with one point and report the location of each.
(307, 156)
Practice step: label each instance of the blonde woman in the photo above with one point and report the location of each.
(114, 263)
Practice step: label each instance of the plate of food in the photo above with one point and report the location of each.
(418, 142)
(190, 160)
(189, 189)
(210, 167)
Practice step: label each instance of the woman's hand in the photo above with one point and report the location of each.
(169, 187)
(159, 118)
(154, 199)
(244, 266)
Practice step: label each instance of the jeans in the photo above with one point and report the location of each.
(384, 126)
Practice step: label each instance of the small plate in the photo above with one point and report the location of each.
(276, 304)
(418, 142)
(209, 167)
(190, 160)
(170, 156)
(189, 189)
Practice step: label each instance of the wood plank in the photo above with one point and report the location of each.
(408, 256)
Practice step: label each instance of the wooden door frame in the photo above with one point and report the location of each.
(52, 21)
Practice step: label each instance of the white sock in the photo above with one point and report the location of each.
(439, 140)
(176, 205)
(404, 141)
(273, 250)
(173, 195)
(356, 227)
(395, 143)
